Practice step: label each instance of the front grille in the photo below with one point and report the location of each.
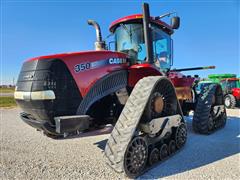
(48, 74)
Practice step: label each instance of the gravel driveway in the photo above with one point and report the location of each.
(27, 154)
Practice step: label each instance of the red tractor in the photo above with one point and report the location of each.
(231, 92)
(133, 88)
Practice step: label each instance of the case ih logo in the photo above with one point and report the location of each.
(117, 60)
(96, 64)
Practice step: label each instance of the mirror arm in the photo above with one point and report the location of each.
(164, 15)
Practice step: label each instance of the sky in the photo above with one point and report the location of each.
(208, 34)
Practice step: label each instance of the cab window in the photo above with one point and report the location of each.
(161, 48)
(129, 39)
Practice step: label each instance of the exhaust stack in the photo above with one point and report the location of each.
(99, 44)
(147, 33)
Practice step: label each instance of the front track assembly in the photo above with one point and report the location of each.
(150, 128)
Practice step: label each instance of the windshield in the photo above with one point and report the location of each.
(130, 39)
(201, 86)
(229, 84)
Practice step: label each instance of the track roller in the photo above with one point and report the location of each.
(163, 152)
(154, 156)
(172, 147)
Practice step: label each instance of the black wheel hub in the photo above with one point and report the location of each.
(162, 101)
(181, 135)
(157, 104)
(136, 157)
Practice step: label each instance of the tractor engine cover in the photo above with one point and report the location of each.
(64, 85)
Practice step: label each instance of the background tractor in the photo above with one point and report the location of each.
(133, 88)
(230, 85)
(231, 91)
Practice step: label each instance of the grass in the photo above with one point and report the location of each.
(7, 101)
(7, 90)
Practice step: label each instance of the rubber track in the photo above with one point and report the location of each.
(128, 121)
(202, 111)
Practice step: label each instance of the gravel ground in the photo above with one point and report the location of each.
(27, 154)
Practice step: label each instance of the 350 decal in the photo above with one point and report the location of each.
(97, 64)
(82, 67)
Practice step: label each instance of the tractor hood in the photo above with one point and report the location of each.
(83, 54)
(55, 85)
(85, 67)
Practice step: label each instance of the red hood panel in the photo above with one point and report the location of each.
(89, 66)
(87, 78)
(76, 54)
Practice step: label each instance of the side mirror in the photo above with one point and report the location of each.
(175, 22)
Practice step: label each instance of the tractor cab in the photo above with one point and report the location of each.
(229, 83)
(130, 38)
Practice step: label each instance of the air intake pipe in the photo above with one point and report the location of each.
(99, 44)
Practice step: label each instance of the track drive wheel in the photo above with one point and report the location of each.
(206, 118)
(136, 157)
(230, 101)
(162, 102)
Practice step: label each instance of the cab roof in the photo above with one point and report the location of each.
(231, 79)
(136, 18)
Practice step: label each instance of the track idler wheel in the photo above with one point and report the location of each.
(154, 156)
(136, 157)
(163, 152)
(172, 147)
(181, 135)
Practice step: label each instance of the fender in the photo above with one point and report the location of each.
(103, 87)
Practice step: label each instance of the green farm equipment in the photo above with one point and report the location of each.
(230, 85)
